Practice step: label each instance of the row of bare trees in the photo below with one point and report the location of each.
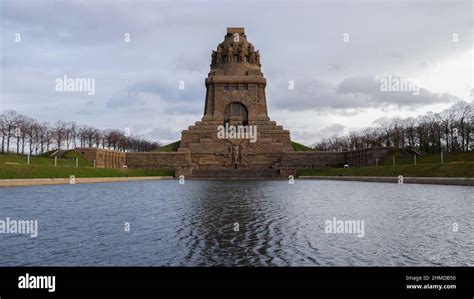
(23, 134)
(449, 131)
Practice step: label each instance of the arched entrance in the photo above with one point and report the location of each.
(236, 109)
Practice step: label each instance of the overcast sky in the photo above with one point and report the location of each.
(336, 83)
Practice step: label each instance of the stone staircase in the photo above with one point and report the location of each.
(410, 151)
(236, 173)
(205, 132)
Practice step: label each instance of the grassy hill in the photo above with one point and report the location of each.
(172, 147)
(401, 159)
(68, 159)
(15, 167)
(48, 171)
(455, 165)
(298, 147)
(72, 155)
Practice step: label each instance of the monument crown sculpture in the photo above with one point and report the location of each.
(236, 70)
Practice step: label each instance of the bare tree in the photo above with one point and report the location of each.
(10, 124)
(59, 132)
(39, 137)
(433, 132)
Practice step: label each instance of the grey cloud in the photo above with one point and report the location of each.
(168, 94)
(123, 101)
(380, 120)
(351, 95)
(335, 67)
(370, 89)
(165, 133)
(300, 41)
(358, 85)
(333, 128)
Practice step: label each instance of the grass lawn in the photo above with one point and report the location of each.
(401, 159)
(48, 171)
(69, 159)
(423, 170)
(43, 167)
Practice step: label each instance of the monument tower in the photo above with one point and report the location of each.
(235, 95)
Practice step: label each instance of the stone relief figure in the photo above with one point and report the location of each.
(219, 55)
(251, 55)
(236, 154)
(230, 53)
(242, 56)
(214, 57)
(257, 57)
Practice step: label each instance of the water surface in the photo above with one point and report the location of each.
(278, 224)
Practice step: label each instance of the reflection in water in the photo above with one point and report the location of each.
(211, 237)
(279, 224)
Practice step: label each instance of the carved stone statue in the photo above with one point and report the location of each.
(219, 55)
(251, 55)
(214, 57)
(242, 56)
(236, 154)
(230, 53)
(257, 57)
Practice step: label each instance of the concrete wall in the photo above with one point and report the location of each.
(182, 163)
(314, 159)
(104, 158)
(179, 161)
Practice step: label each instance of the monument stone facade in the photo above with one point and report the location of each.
(235, 96)
(235, 103)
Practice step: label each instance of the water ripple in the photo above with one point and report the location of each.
(278, 224)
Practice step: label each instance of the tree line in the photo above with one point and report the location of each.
(22, 134)
(449, 131)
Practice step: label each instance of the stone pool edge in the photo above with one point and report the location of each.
(406, 180)
(64, 181)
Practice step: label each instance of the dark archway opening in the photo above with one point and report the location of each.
(236, 109)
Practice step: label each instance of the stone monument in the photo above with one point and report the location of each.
(235, 96)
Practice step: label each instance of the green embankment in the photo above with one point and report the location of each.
(68, 159)
(172, 147)
(455, 165)
(42, 167)
(401, 159)
(298, 147)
